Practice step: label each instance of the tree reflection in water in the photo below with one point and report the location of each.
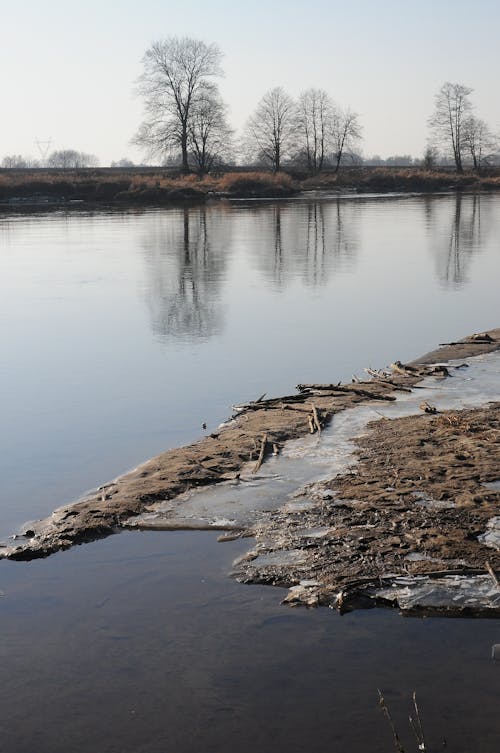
(186, 253)
(457, 235)
(308, 241)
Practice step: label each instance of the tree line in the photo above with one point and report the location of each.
(185, 116)
(185, 123)
(61, 158)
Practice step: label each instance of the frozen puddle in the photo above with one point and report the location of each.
(240, 504)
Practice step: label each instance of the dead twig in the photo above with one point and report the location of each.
(385, 710)
(416, 725)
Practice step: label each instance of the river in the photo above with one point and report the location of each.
(122, 333)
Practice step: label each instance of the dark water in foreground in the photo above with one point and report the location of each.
(121, 333)
(141, 643)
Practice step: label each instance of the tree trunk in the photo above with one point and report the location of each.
(184, 149)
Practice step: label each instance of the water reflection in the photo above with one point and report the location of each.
(186, 254)
(188, 251)
(310, 241)
(458, 233)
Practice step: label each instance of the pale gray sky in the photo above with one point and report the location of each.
(68, 68)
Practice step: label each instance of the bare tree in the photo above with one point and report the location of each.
(478, 141)
(14, 161)
(209, 134)
(176, 71)
(452, 109)
(70, 158)
(430, 158)
(271, 130)
(345, 133)
(314, 127)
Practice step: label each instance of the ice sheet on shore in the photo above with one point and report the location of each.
(241, 503)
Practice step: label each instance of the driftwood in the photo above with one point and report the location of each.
(482, 339)
(381, 378)
(405, 369)
(342, 389)
(421, 371)
(274, 402)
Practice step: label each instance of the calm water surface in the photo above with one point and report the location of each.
(121, 333)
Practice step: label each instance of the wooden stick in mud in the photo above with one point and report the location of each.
(261, 454)
(492, 573)
(311, 424)
(316, 418)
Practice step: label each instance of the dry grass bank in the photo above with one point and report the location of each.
(101, 186)
(402, 179)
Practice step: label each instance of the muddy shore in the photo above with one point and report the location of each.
(255, 431)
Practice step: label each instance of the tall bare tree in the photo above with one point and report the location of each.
(176, 72)
(345, 133)
(478, 141)
(210, 137)
(314, 126)
(271, 130)
(452, 109)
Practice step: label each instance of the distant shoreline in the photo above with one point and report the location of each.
(162, 187)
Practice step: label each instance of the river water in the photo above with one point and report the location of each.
(122, 332)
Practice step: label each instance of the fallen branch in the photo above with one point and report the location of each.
(483, 339)
(383, 379)
(274, 402)
(343, 389)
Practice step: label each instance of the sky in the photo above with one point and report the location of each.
(68, 69)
